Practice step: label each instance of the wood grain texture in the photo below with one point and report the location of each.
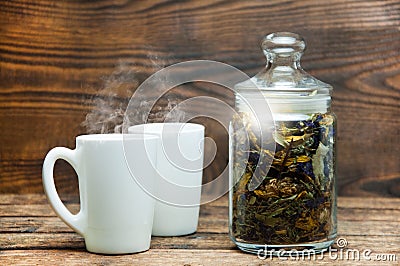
(30, 234)
(154, 257)
(57, 57)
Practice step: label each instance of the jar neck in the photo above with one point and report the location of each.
(289, 61)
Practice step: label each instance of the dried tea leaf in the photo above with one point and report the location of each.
(297, 140)
(318, 162)
(267, 220)
(281, 140)
(303, 159)
(291, 203)
(252, 200)
(306, 223)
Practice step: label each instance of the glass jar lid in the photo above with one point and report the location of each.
(283, 83)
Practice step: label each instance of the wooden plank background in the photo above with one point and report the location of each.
(57, 57)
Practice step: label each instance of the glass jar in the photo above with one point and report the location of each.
(282, 174)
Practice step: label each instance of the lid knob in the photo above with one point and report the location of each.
(283, 45)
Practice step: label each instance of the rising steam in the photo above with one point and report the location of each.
(111, 100)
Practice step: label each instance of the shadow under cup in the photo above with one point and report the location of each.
(116, 214)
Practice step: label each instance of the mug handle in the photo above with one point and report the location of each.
(75, 221)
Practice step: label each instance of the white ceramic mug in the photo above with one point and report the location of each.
(116, 214)
(180, 170)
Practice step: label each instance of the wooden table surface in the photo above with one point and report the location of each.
(31, 233)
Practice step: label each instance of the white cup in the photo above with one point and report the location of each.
(116, 214)
(179, 179)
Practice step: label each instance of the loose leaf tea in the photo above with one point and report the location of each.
(293, 201)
